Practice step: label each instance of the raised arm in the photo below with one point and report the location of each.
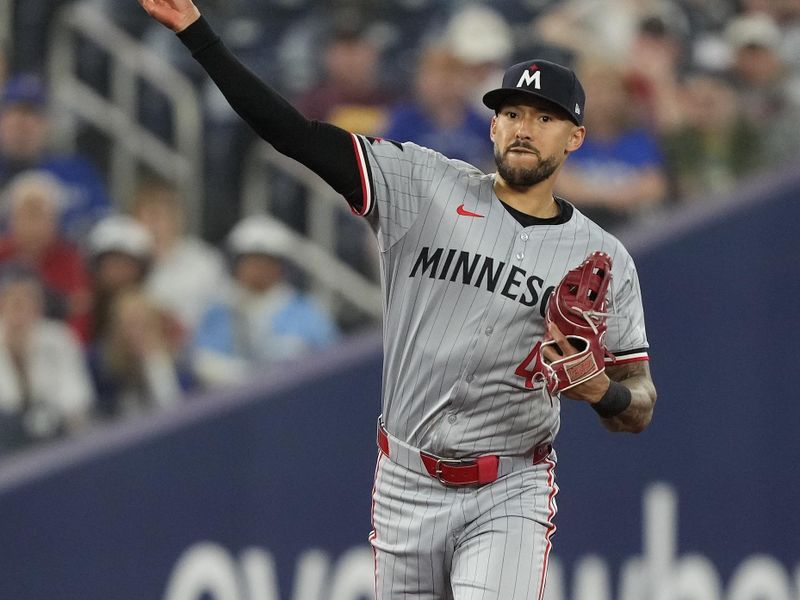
(325, 149)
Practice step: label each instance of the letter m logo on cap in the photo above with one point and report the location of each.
(531, 77)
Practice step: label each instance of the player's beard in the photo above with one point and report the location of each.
(520, 177)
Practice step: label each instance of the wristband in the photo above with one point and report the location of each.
(616, 399)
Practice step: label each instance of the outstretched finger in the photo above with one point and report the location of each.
(149, 6)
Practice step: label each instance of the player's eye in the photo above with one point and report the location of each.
(546, 118)
(511, 114)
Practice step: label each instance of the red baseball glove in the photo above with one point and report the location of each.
(577, 307)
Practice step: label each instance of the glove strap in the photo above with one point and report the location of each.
(574, 369)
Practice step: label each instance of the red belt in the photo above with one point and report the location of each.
(463, 471)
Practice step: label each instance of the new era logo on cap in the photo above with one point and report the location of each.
(543, 79)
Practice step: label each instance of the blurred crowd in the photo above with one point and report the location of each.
(109, 310)
(111, 307)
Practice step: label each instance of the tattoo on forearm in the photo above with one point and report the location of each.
(636, 377)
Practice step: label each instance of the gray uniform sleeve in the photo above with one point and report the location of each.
(398, 182)
(626, 337)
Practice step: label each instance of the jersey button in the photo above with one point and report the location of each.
(469, 378)
(520, 255)
(523, 236)
(489, 330)
(452, 418)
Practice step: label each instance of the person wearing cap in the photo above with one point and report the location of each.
(33, 201)
(25, 144)
(265, 320)
(120, 251)
(135, 348)
(463, 502)
(481, 38)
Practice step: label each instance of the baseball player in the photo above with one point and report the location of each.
(464, 494)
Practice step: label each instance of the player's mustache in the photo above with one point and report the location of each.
(521, 144)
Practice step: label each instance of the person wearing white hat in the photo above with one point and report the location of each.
(120, 253)
(33, 202)
(265, 320)
(483, 41)
(134, 355)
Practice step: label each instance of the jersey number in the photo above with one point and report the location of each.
(524, 370)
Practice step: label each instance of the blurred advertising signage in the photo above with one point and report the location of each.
(208, 570)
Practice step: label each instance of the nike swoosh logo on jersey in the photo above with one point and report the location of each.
(466, 213)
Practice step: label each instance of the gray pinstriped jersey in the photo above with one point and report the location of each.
(464, 284)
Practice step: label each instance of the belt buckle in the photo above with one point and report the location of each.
(452, 462)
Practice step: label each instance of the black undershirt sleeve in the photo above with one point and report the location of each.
(324, 148)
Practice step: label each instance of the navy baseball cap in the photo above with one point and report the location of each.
(543, 79)
(25, 89)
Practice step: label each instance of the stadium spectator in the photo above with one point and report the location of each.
(134, 367)
(24, 145)
(186, 273)
(657, 57)
(786, 15)
(709, 145)
(265, 320)
(45, 388)
(33, 202)
(352, 93)
(603, 28)
(483, 41)
(769, 92)
(441, 115)
(120, 251)
(619, 172)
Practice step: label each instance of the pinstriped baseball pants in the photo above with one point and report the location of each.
(433, 542)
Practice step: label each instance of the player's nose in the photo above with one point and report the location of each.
(524, 130)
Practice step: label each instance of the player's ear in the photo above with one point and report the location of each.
(493, 127)
(576, 138)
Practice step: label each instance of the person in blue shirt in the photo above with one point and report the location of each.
(25, 144)
(441, 116)
(264, 320)
(620, 173)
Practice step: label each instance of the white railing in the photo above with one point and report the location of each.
(332, 279)
(336, 283)
(74, 102)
